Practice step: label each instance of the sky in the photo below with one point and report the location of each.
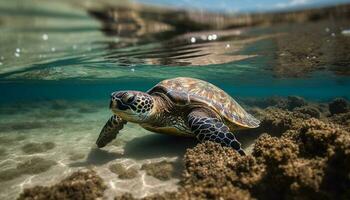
(234, 6)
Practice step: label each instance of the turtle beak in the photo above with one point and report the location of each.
(116, 103)
(114, 100)
(111, 104)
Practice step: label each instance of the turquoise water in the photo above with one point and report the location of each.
(59, 62)
(312, 88)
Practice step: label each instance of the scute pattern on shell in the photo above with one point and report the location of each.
(192, 90)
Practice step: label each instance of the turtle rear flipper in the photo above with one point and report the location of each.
(209, 128)
(110, 130)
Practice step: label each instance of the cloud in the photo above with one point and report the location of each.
(292, 3)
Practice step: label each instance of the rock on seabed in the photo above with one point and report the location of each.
(80, 185)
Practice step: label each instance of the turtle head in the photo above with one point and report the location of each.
(133, 106)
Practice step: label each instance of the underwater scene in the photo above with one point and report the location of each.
(286, 65)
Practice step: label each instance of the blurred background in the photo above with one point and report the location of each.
(123, 40)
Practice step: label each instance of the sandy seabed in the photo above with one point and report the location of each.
(42, 143)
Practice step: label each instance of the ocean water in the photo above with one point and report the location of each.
(59, 62)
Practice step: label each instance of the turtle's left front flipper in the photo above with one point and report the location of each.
(110, 130)
(208, 127)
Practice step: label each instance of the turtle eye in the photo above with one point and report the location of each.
(128, 98)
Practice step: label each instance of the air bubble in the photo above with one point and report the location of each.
(193, 40)
(345, 32)
(45, 37)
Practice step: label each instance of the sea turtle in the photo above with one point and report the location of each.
(180, 106)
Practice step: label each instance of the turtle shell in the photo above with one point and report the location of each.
(186, 91)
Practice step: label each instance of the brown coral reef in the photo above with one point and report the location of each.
(302, 152)
(161, 170)
(80, 185)
(123, 173)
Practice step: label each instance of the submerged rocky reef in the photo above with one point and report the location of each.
(301, 151)
(80, 185)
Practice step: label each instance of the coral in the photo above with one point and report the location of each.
(339, 166)
(285, 103)
(342, 119)
(164, 196)
(276, 121)
(305, 177)
(125, 196)
(211, 191)
(273, 151)
(34, 147)
(338, 105)
(332, 143)
(213, 171)
(311, 111)
(303, 163)
(263, 102)
(80, 185)
(285, 173)
(289, 103)
(209, 156)
(295, 102)
(316, 138)
(161, 170)
(123, 173)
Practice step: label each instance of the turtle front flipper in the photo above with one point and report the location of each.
(207, 127)
(110, 130)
